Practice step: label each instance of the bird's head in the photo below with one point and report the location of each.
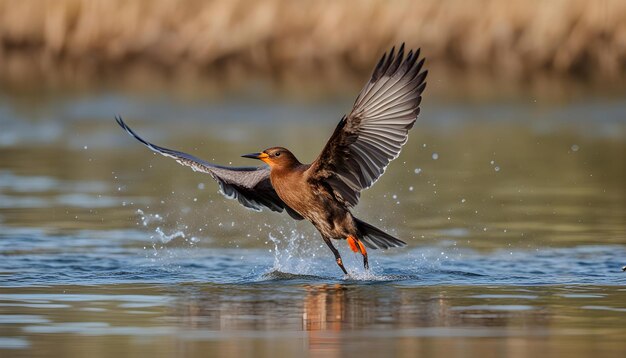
(275, 157)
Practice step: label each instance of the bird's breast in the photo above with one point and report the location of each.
(314, 203)
(293, 189)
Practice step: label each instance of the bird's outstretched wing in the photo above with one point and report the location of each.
(251, 186)
(372, 134)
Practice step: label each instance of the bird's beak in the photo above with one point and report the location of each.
(260, 156)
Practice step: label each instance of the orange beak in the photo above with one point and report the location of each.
(261, 156)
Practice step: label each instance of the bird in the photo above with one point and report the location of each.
(359, 150)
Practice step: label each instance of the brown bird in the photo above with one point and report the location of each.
(355, 156)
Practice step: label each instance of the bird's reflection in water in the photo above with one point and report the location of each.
(325, 309)
(324, 319)
(343, 307)
(329, 311)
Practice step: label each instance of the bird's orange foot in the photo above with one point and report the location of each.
(362, 248)
(356, 246)
(352, 242)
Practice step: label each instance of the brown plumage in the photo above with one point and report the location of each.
(355, 156)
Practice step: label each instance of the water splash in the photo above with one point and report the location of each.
(292, 254)
(166, 249)
(297, 258)
(147, 219)
(165, 238)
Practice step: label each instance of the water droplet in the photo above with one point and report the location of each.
(574, 148)
(463, 200)
(394, 196)
(410, 188)
(195, 199)
(435, 156)
(85, 147)
(201, 186)
(492, 162)
(496, 168)
(417, 170)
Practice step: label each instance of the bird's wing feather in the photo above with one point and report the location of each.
(373, 133)
(251, 186)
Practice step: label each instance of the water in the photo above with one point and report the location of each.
(514, 212)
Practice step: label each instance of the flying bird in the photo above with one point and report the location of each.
(364, 142)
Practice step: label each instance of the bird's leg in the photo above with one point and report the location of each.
(336, 253)
(364, 253)
(356, 245)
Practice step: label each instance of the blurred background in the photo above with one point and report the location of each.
(510, 191)
(309, 43)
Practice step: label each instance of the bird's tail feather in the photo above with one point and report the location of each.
(374, 238)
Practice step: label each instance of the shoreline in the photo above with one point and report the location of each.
(517, 40)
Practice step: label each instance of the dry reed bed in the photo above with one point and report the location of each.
(517, 38)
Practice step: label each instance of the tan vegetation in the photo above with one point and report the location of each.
(516, 38)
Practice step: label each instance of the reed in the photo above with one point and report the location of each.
(516, 38)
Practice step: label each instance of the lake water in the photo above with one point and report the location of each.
(514, 212)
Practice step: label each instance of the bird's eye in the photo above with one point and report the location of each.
(277, 154)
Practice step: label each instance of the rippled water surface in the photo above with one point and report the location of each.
(514, 213)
